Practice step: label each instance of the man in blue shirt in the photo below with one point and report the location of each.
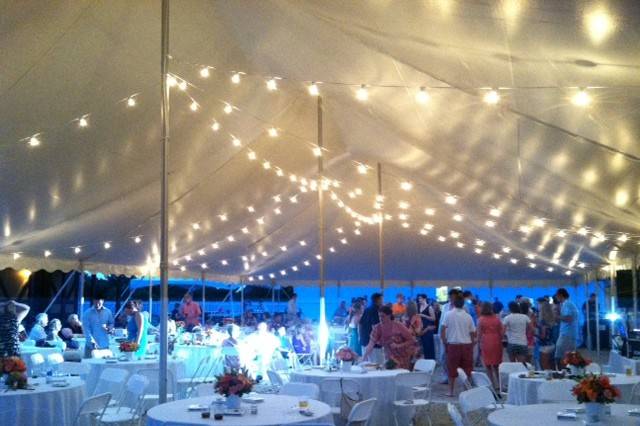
(568, 326)
(98, 323)
(39, 331)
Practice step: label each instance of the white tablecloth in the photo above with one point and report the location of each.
(546, 415)
(275, 410)
(374, 384)
(98, 365)
(44, 406)
(524, 391)
(619, 363)
(193, 355)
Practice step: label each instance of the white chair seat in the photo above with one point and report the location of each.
(113, 410)
(121, 417)
(414, 403)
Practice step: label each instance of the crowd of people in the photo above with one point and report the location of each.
(472, 332)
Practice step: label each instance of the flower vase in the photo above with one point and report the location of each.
(594, 412)
(345, 366)
(233, 402)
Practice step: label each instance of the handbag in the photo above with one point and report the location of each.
(347, 402)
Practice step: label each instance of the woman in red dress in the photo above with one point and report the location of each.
(490, 332)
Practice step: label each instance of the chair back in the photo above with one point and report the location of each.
(475, 399)
(463, 379)
(55, 358)
(111, 380)
(101, 353)
(153, 380)
(480, 379)
(310, 390)
(556, 391)
(37, 359)
(94, 405)
(506, 368)
(455, 415)
(634, 398)
(361, 412)
(136, 388)
(331, 390)
(404, 382)
(275, 378)
(426, 365)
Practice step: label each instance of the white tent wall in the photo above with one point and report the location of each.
(535, 155)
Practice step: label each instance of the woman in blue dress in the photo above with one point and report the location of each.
(136, 328)
(353, 325)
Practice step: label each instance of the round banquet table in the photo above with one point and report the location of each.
(275, 410)
(524, 391)
(45, 405)
(379, 384)
(98, 365)
(546, 414)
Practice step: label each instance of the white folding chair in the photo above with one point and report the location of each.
(275, 378)
(480, 379)
(463, 379)
(331, 391)
(593, 368)
(310, 390)
(556, 391)
(634, 398)
(505, 369)
(112, 380)
(426, 365)
(152, 394)
(455, 415)
(476, 399)
(361, 412)
(93, 406)
(129, 411)
(101, 353)
(187, 385)
(37, 364)
(411, 387)
(54, 360)
(74, 368)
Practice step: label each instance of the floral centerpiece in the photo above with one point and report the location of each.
(15, 371)
(129, 348)
(576, 362)
(347, 357)
(233, 384)
(595, 391)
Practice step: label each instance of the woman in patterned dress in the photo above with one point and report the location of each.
(11, 315)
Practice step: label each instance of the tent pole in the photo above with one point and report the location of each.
(586, 304)
(273, 297)
(66, 283)
(380, 232)
(164, 205)
(323, 331)
(233, 316)
(150, 295)
(612, 286)
(634, 287)
(81, 291)
(204, 299)
(597, 318)
(242, 305)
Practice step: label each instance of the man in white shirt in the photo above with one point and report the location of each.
(516, 326)
(458, 336)
(292, 308)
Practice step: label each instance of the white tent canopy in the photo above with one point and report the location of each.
(540, 164)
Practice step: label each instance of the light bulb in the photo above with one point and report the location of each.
(203, 265)
(460, 244)
(403, 205)
(277, 211)
(16, 256)
(497, 255)
(430, 212)
(313, 89)
(224, 262)
(506, 249)
(457, 217)
(451, 199)
(317, 151)
(491, 97)
(356, 231)
(34, 141)
(107, 245)
(187, 258)
(137, 240)
(47, 253)
(266, 165)
(231, 238)
(273, 132)
(480, 243)
(406, 186)
(283, 248)
(490, 223)
(251, 209)
(513, 260)
(272, 85)
(478, 250)
(428, 226)
(182, 85)
(441, 239)
(495, 212)
(362, 94)
(215, 126)
(77, 250)
(252, 155)
(532, 265)
(539, 222)
(171, 81)
(294, 268)
(183, 268)
(131, 102)
(223, 217)
(194, 106)
(83, 122)
(215, 246)
(236, 142)
(293, 199)
(561, 234)
(228, 109)
(204, 72)
(424, 232)
(455, 235)
(422, 96)
(581, 98)
(235, 78)
(362, 169)
(245, 230)
(307, 263)
(279, 172)
(195, 226)
(201, 252)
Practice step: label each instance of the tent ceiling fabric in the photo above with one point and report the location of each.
(534, 155)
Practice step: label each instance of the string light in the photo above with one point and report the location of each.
(137, 239)
(266, 165)
(539, 222)
(251, 209)
(224, 262)
(303, 243)
(194, 106)
(317, 151)
(478, 250)
(561, 233)
(506, 249)
(195, 226)
(430, 212)
(131, 101)
(223, 217)
(228, 109)
(171, 81)
(582, 231)
(313, 89)
(107, 245)
(231, 238)
(77, 249)
(490, 224)
(83, 122)
(182, 85)
(362, 169)
(362, 94)
(201, 252)
(273, 132)
(623, 238)
(183, 268)
(455, 235)
(204, 72)
(495, 212)
(457, 217)
(406, 186)
(272, 85)
(235, 78)
(422, 97)
(513, 260)
(47, 253)
(480, 243)
(441, 239)
(532, 265)
(497, 255)
(16, 256)
(236, 142)
(34, 141)
(581, 98)
(215, 246)
(491, 97)
(451, 199)
(215, 126)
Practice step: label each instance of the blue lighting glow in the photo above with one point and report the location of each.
(612, 316)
